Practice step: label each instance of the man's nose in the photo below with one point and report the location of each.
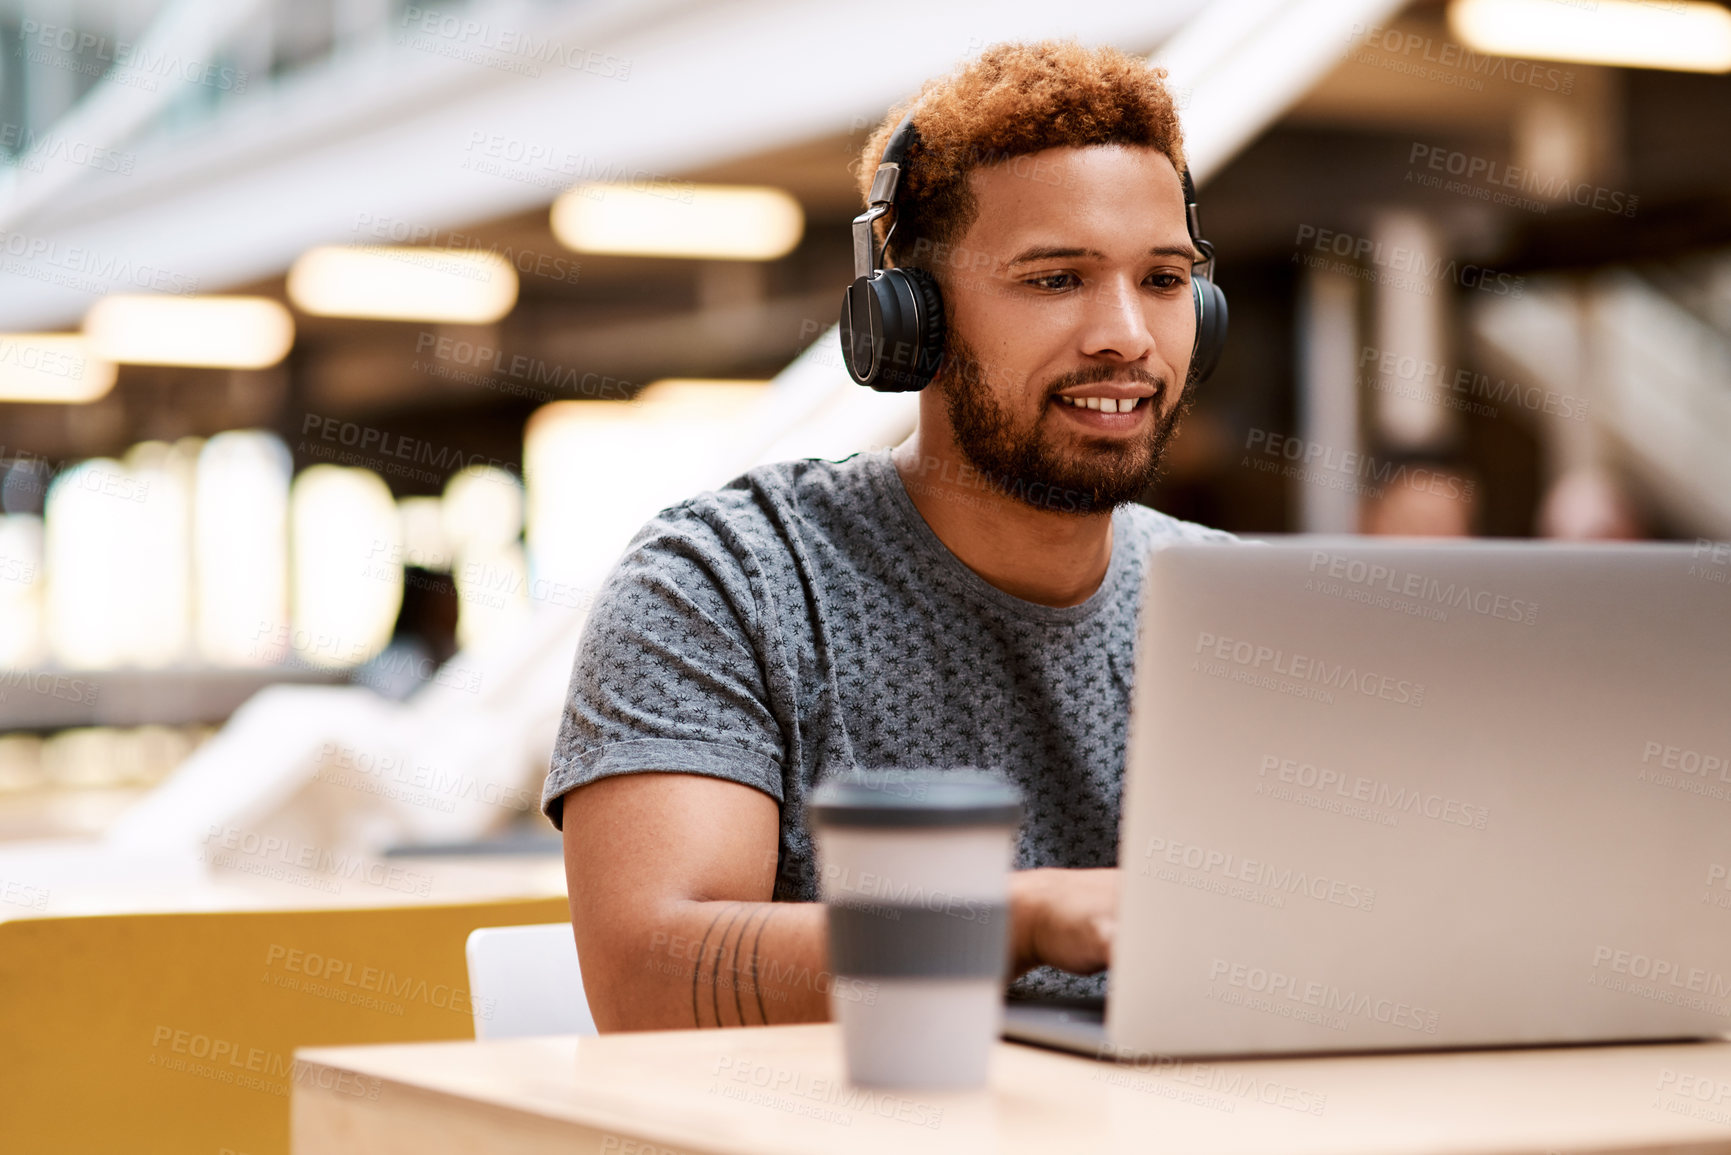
(1117, 323)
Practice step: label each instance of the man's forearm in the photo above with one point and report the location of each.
(728, 964)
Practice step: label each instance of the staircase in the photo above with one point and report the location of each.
(1651, 352)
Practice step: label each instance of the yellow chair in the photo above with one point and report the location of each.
(176, 1032)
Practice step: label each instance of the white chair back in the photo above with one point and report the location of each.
(524, 981)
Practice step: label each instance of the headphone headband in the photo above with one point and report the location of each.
(896, 148)
(1193, 225)
(882, 197)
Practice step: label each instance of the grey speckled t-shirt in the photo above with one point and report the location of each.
(805, 620)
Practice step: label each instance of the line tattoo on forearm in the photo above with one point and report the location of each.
(715, 969)
(756, 988)
(697, 971)
(733, 966)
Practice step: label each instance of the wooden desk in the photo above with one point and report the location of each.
(761, 1091)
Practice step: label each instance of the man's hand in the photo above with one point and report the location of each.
(1063, 918)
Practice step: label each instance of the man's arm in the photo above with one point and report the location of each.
(670, 880)
(671, 877)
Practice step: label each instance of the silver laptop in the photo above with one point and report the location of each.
(1392, 795)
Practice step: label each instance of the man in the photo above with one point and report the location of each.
(965, 600)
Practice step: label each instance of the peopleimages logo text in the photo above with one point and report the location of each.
(1668, 971)
(1462, 387)
(1405, 583)
(1259, 873)
(1358, 788)
(1327, 996)
(1401, 259)
(1687, 761)
(1327, 465)
(1366, 40)
(143, 59)
(1548, 187)
(1308, 668)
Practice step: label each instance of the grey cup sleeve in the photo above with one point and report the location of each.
(669, 672)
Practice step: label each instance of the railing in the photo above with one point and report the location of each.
(192, 56)
(81, 88)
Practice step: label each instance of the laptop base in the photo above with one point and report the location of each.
(1077, 1025)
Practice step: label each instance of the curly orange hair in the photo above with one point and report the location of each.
(1014, 99)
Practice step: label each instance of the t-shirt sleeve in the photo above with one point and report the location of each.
(669, 674)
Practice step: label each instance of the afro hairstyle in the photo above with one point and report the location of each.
(1012, 100)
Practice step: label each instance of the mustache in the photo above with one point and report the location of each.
(1096, 374)
(961, 364)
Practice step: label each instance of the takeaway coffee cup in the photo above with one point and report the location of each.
(914, 867)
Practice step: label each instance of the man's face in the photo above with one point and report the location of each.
(1069, 296)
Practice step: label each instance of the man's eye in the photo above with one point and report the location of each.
(1053, 281)
(1166, 281)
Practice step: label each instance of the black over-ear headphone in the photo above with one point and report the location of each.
(892, 320)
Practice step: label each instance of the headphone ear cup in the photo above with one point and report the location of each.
(892, 330)
(1211, 318)
(930, 356)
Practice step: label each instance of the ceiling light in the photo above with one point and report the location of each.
(205, 332)
(403, 283)
(1685, 35)
(725, 222)
(54, 367)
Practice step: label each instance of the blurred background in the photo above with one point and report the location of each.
(344, 343)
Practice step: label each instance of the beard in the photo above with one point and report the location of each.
(1033, 462)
